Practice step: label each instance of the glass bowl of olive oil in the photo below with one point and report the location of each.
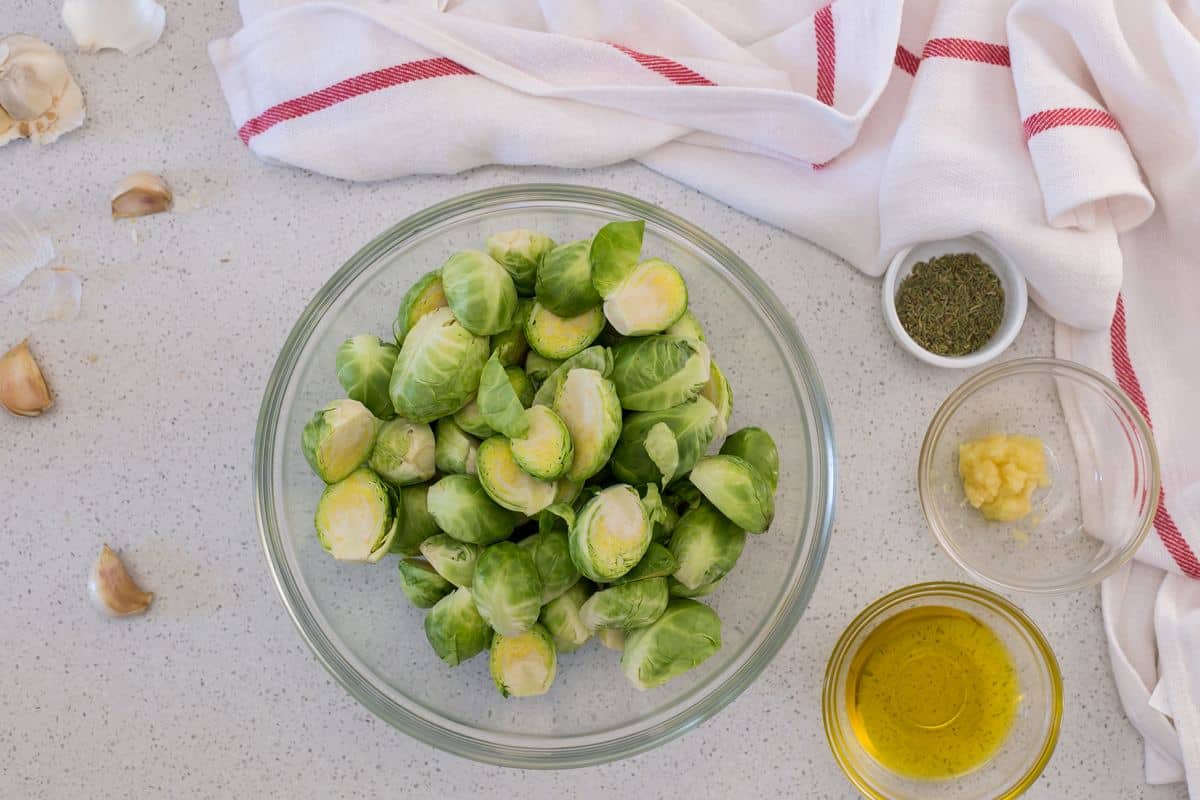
(942, 690)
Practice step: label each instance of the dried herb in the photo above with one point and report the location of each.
(951, 305)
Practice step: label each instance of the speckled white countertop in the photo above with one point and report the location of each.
(158, 382)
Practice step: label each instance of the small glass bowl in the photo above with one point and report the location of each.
(1102, 464)
(1023, 754)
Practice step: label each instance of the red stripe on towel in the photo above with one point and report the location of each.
(1059, 117)
(967, 50)
(1164, 524)
(907, 60)
(826, 54)
(671, 70)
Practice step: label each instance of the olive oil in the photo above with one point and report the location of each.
(932, 693)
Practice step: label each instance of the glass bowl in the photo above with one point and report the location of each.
(1028, 746)
(359, 623)
(1102, 464)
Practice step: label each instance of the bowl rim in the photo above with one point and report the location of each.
(1039, 365)
(931, 590)
(780, 624)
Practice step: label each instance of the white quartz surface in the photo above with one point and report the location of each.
(148, 448)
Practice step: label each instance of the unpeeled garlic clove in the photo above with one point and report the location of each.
(38, 97)
(112, 590)
(131, 26)
(139, 195)
(23, 389)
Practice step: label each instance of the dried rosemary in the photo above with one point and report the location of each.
(951, 305)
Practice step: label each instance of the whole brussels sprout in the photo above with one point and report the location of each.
(470, 419)
(438, 368)
(757, 448)
(718, 392)
(561, 618)
(559, 516)
(614, 254)
(660, 446)
(654, 373)
(677, 589)
(706, 545)
(612, 638)
(588, 406)
(338, 439)
(507, 589)
(414, 523)
(404, 452)
(421, 584)
(480, 292)
(510, 345)
(453, 560)
(561, 337)
(657, 563)
(523, 665)
(551, 555)
(682, 638)
(355, 517)
(499, 403)
(455, 629)
(364, 368)
(610, 534)
(687, 325)
(463, 509)
(538, 368)
(597, 358)
(455, 453)
(564, 280)
(738, 490)
(650, 300)
(568, 491)
(544, 450)
(520, 252)
(662, 515)
(422, 297)
(626, 605)
(507, 483)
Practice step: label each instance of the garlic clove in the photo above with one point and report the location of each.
(131, 26)
(112, 590)
(38, 96)
(23, 248)
(23, 389)
(139, 195)
(61, 295)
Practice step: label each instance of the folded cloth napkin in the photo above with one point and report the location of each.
(1065, 132)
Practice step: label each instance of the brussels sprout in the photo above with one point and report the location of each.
(610, 338)
(684, 636)
(567, 491)
(683, 496)
(544, 450)
(422, 297)
(650, 300)
(455, 453)
(551, 555)
(756, 447)
(706, 545)
(499, 404)
(561, 618)
(626, 605)
(421, 584)
(654, 373)
(564, 280)
(610, 534)
(561, 337)
(338, 439)
(559, 516)
(614, 254)
(507, 589)
(355, 517)
(470, 419)
(455, 629)
(597, 358)
(677, 589)
(539, 368)
(612, 638)
(718, 392)
(588, 406)
(521, 384)
(364, 368)
(520, 252)
(463, 510)
(659, 446)
(480, 292)
(438, 368)
(404, 452)
(414, 523)
(453, 560)
(523, 665)
(507, 483)
(661, 514)
(687, 325)
(738, 490)
(657, 563)
(510, 345)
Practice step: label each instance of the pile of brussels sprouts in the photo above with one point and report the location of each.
(533, 445)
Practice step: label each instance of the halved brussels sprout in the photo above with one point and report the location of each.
(499, 404)
(551, 555)
(660, 446)
(707, 545)
(414, 523)
(597, 358)
(507, 589)
(470, 419)
(677, 589)
(338, 439)
(422, 297)
(480, 292)
(544, 450)
(561, 617)
(455, 453)
(507, 483)
(610, 534)
(539, 368)
(682, 638)
(588, 406)
(510, 345)
(355, 518)
(614, 254)
(688, 325)
(757, 448)
(654, 373)
(561, 337)
(438, 368)
(657, 563)
(718, 392)
(455, 629)
(364, 368)
(523, 665)
(463, 510)
(404, 452)
(626, 605)
(453, 560)
(612, 638)
(520, 252)
(564, 280)
(738, 490)
(650, 300)
(421, 584)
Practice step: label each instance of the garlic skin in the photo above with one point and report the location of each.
(112, 590)
(39, 100)
(23, 389)
(131, 26)
(62, 293)
(139, 195)
(24, 247)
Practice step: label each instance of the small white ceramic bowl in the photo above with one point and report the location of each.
(1016, 297)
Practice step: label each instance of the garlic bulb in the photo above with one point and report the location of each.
(23, 248)
(39, 100)
(139, 195)
(112, 590)
(131, 26)
(23, 389)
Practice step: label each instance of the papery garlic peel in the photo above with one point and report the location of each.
(139, 195)
(39, 100)
(23, 389)
(131, 26)
(112, 590)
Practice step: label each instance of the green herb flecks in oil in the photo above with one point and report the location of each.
(951, 305)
